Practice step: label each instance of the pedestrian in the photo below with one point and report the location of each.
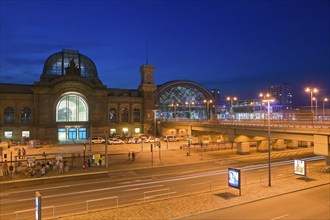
(89, 162)
(84, 164)
(5, 169)
(24, 152)
(129, 155)
(100, 162)
(19, 153)
(60, 167)
(133, 155)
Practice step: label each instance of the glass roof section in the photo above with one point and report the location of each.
(58, 63)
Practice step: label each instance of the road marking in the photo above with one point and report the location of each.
(147, 187)
(280, 217)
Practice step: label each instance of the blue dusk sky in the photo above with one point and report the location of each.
(238, 47)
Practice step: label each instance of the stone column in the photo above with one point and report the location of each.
(279, 145)
(291, 144)
(262, 146)
(243, 148)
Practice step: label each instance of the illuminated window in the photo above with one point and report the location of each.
(112, 131)
(26, 134)
(72, 107)
(137, 130)
(9, 115)
(8, 134)
(112, 115)
(125, 131)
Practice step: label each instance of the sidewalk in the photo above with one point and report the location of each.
(117, 156)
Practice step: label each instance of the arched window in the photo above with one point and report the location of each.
(136, 115)
(124, 115)
(72, 107)
(112, 115)
(26, 115)
(9, 115)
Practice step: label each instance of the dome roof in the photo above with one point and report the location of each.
(70, 62)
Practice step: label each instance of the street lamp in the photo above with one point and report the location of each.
(324, 100)
(189, 105)
(174, 109)
(267, 99)
(231, 100)
(315, 99)
(311, 91)
(208, 102)
(155, 125)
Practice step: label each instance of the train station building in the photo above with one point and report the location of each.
(70, 103)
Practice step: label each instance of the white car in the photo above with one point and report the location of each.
(115, 141)
(98, 140)
(134, 140)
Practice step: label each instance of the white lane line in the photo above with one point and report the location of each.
(282, 216)
(147, 187)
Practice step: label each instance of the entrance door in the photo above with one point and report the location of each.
(72, 134)
(82, 133)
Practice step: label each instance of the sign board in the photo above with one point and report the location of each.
(38, 206)
(300, 167)
(234, 178)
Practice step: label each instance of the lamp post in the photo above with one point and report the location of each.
(231, 100)
(315, 99)
(324, 100)
(174, 109)
(155, 125)
(208, 102)
(266, 98)
(311, 91)
(189, 106)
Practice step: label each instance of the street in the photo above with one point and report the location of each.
(311, 203)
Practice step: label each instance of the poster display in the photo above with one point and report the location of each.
(234, 178)
(299, 167)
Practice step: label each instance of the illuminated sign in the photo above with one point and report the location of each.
(234, 178)
(38, 206)
(300, 167)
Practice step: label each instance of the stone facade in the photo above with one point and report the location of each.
(131, 109)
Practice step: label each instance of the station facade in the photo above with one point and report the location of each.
(70, 103)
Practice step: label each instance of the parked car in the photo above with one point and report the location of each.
(170, 138)
(115, 141)
(151, 140)
(134, 140)
(98, 140)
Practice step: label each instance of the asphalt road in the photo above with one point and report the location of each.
(128, 187)
(307, 204)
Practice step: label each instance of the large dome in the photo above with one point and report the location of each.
(62, 63)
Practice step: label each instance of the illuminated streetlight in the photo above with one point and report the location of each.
(311, 91)
(324, 100)
(174, 108)
(208, 102)
(268, 99)
(189, 106)
(231, 100)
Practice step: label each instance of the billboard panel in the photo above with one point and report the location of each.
(234, 178)
(300, 167)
